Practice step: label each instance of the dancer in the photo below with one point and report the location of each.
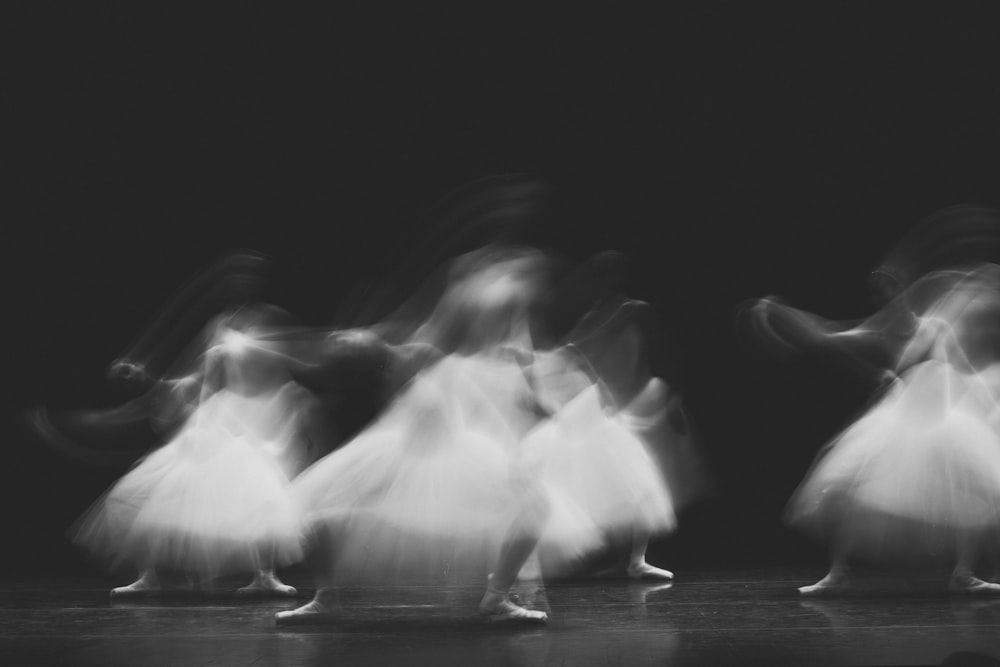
(587, 451)
(618, 441)
(215, 499)
(439, 483)
(170, 347)
(918, 472)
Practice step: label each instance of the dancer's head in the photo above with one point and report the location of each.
(489, 300)
(972, 307)
(250, 341)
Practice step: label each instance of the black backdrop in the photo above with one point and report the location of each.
(728, 151)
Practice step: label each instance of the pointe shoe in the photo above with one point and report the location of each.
(644, 570)
(974, 585)
(311, 613)
(509, 612)
(267, 587)
(136, 589)
(828, 585)
(497, 608)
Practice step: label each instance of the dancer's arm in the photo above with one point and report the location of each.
(930, 330)
(866, 348)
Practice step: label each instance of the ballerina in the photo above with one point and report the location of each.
(918, 471)
(589, 452)
(215, 498)
(590, 448)
(438, 483)
(618, 441)
(170, 347)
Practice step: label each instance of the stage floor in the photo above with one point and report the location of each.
(705, 618)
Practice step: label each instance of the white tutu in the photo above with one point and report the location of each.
(436, 484)
(658, 418)
(594, 460)
(916, 474)
(207, 499)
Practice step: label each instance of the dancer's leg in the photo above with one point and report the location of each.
(148, 583)
(532, 568)
(325, 605)
(265, 582)
(638, 568)
(519, 544)
(962, 578)
(837, 579)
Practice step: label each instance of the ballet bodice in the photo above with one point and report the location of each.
(491, 393)
(558, 377)
(248, 366)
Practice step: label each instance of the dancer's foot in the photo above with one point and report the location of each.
(268, 584)
(966, 583)
(311, 613)
(643, 570)
(831, 584)
(530, 595)
(496, 607)
(144, 586)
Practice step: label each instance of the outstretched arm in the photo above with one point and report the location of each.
(783, 329)
(230, 279)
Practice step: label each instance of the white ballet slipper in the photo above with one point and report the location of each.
(311, 613)
(644, 570)
(496, 607)
(140, 588)
(267, 586)
(831, 584)
(969, 584)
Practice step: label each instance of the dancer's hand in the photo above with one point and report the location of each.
(184, 384)
(129, 373)
(888, 377)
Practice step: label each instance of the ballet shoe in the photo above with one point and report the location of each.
(136, 589)
(972, 585)
(646, 571)
(531, 597)
(269, 586)
(509, 612)
(311, 613)
(828, 585)
(513, 597)
(497, 608)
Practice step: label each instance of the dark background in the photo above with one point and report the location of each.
(729, 151)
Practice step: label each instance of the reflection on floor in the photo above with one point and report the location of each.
(705, 618)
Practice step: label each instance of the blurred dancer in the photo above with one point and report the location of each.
(618, 442)
(170, 347)
(591, 451)
(439, 482)
(919, 471)
(215, 498)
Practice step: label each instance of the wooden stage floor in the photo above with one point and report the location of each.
(705, 618)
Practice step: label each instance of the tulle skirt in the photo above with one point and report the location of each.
(658, 418)
(594, 461)
(917, 476)
(206, 501)
(426, 493)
